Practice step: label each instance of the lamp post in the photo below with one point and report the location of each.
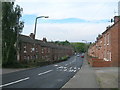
(36, 23)
(86, 44)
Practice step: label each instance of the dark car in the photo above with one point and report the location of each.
(82, 56)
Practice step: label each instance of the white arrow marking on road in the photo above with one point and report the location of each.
(45, 72)
(14, 82)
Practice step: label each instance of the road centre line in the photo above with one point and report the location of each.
(45, 72)
(15, 82)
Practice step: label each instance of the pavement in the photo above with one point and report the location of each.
(94, 77)
(107, 77)
(84, 78)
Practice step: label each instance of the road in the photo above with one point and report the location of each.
(51, 76)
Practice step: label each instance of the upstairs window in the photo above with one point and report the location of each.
(108, 39)
(25, 49)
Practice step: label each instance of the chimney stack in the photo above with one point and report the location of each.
(44, 40)
(116, 19)
(32, 35)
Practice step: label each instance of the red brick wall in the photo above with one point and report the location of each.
(119, 43)
(95, 62)
(114, 44)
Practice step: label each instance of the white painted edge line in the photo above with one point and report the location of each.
(45, 72)
(14, 82)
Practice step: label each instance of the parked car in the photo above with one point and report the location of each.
(82, 56)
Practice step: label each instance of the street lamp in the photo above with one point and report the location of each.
(36, 23)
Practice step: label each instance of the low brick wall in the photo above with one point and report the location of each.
(101, 63)
(95, 62)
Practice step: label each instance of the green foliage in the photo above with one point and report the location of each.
(62, 42)
(79, 47)
(10, 26)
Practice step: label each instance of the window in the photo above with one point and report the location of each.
(31, 57)
(36, 50)
(105, 55)
(24, 57)
(32, 49)
(42, 50)
(25, 49)
(110, 55)
(108, 39)
(105, 40)
(36, 56)
(28, 57)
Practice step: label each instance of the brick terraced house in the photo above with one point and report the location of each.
(33, 49)
(105, 52)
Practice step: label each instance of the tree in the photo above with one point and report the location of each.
(79, 47)
(11, 26)
(67, 43)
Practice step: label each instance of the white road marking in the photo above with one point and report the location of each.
(60, 67)
(45, 72)
(55, 65)
(70, 67)
(64, 67)
(65, 70)
(70, 70)
(14, 82)
(75, 68)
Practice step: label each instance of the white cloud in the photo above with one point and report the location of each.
(58, 9)
(67, 0)
(71, 32)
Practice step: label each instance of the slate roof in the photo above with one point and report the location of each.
(27, 39)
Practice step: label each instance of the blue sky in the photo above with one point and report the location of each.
(30, 19)
(72, 20)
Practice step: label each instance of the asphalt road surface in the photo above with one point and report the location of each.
(51, 76)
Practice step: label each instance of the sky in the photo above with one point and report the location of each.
(72, 20)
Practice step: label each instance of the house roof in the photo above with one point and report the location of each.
(27, 39)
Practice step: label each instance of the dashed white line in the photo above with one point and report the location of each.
(14, 82)
(45, 72)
